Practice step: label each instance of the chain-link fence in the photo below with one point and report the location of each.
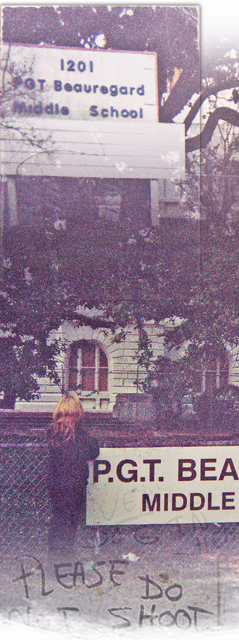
(26, 510)
(25, 505)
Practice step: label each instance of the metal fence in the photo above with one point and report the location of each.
(26, 510)
(25, 505)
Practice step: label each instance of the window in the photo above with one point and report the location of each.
(88, 367)
(213, 375)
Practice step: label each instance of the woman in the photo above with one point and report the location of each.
(70, 448)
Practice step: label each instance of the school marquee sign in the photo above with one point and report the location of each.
(95, 113)
(164, 486)
(79, 84)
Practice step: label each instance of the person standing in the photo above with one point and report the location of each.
(70, 449)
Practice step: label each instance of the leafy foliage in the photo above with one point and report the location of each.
(220, 409)
(169, 382)
(183, 275)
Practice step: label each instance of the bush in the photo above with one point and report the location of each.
(218, 409)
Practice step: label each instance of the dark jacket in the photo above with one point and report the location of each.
(69, 461)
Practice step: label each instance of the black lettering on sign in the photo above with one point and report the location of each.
(170, 619)
(17, 81)
(41, 624)
(113, 90)
(199, 504)
(151, 462)
(228, 463)
(97, 471)
(196, 611)
(30, 83)
(116, 572)
(27, 574)
(132, 474)
(100, 580)
(185, 616)
(177, 506)
(23, 576)
(38, 108)
(140, 90)
(61, 576)
(146, 502)
(226, 499)
(210, 506)
(57, 85)
(126, 621)
(186, 466)
(205, 468)
(147, 616)
(94, 112)
(71, 65)
(151, 583)
(114, 112)
(26, 621)
(104, 89)
(68, 87)
(41, 83)
(81, 66)
(174, 592)
(78, 572)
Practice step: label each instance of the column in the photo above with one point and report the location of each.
(12, 201)
(154, 202)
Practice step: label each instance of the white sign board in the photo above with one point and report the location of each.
(82, 85)
(96, 149)
(164, 486)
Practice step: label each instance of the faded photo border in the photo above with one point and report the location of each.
(119, 286)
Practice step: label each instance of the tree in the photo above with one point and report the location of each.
(134, 275)
(211, 187)
(11, 84)
(170, 31)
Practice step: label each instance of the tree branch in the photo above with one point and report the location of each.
(201, 141)
(187, 84)
(5, 70)
(213, 89)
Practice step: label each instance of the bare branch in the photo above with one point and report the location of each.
(212, 89)
(5, 70)
(201, 141)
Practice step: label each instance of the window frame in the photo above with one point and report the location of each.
(77, 348)
(213, 375)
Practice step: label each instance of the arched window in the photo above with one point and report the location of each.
(211, 374)
(88, 367)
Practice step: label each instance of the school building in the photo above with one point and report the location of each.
(105, 129)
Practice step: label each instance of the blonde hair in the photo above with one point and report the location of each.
(67, 414)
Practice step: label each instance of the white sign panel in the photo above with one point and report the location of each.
(82, 85)
(164, 486)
